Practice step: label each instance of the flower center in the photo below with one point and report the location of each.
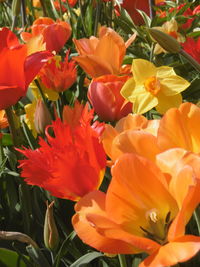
(152, 85)
(157, 227)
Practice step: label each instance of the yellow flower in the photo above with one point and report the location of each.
(153, 86)
(50, 94)
(29, 119)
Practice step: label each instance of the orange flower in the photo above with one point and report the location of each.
(72, 163)
(179, 127)
(54, 34)
(104, 95)
(57, 75)
(133, 133)
(103, 55)
(3, 120)
(148, 218)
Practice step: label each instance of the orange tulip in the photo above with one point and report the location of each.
(133, 133)
(104, 95)
(180, 127)
(54, 34)
(103, 55)
(148, 218)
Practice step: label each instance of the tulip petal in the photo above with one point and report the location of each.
(180, 250)
(189, 203)
(34, 63)
(180, 128)
(132, 141)
(6, 92)
(168, 159)
(93, 65)
(135, 188)
(94, 204)
(8, 39)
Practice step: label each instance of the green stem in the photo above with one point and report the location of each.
(82, 17)
(122, 260)
(44, 10)
(97, 17)
(23, 12)
(14, 130)
(197, 219)
(191, 60)
(60, 10)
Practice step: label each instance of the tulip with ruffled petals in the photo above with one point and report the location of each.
(72, 163)
(57, 75)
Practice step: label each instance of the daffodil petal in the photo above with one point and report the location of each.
(167, 102)
(143, 102)
(128, 88)
(165, 72)
(142, 70)
(173, 85)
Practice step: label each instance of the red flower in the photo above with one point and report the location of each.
(104, 95)
(192, 47)
(17, 69)
(72, 163)
(54, 34)
(57, 75)
(196, 11)
(71, 3)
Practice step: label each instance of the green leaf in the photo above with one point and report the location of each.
(7, 140)
(9, 258)
(37, 256)
(85, 259)
(64, 248)
(146, 18)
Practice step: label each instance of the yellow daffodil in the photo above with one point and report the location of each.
(29, 119)
(50, 94)
(153, 86)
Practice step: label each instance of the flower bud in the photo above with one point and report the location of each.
(51, 237)
(42, 117)
(166, 41)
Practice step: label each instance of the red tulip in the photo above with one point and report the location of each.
(17, 69)
(72, 163)
(59, 75)
(104, 95)
(54, 34)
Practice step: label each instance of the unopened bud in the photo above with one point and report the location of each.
(42, 117)
(51, 237)
(166, 41)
